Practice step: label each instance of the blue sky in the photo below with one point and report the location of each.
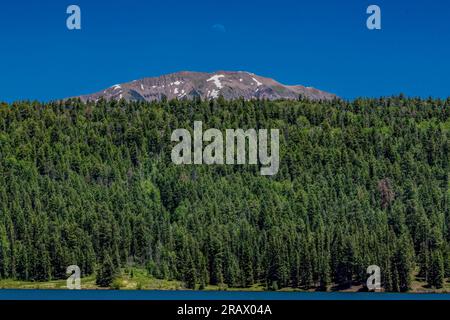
(320, 43)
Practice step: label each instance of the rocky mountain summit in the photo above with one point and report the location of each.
(188, 85)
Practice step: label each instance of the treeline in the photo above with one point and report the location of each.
(360, 183)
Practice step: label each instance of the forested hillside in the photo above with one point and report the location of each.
(360, 183)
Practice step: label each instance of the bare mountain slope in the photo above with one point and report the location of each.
(187, 85)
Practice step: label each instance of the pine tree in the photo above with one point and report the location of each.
(190, 275)
(436, 272)
(404, 262)
(5, 254)
(106, 272)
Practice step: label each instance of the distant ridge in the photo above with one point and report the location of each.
(188, 85)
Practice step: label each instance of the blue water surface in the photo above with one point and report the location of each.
(8, 294)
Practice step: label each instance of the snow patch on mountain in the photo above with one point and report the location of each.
(216, 79)
(257, 82)
(214, 94)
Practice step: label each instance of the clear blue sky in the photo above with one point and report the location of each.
(320, 43)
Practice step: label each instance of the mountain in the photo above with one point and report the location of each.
(187, 85)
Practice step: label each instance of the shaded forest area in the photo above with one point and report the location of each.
(360, 183)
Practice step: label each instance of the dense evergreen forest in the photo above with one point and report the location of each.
(360, 183)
